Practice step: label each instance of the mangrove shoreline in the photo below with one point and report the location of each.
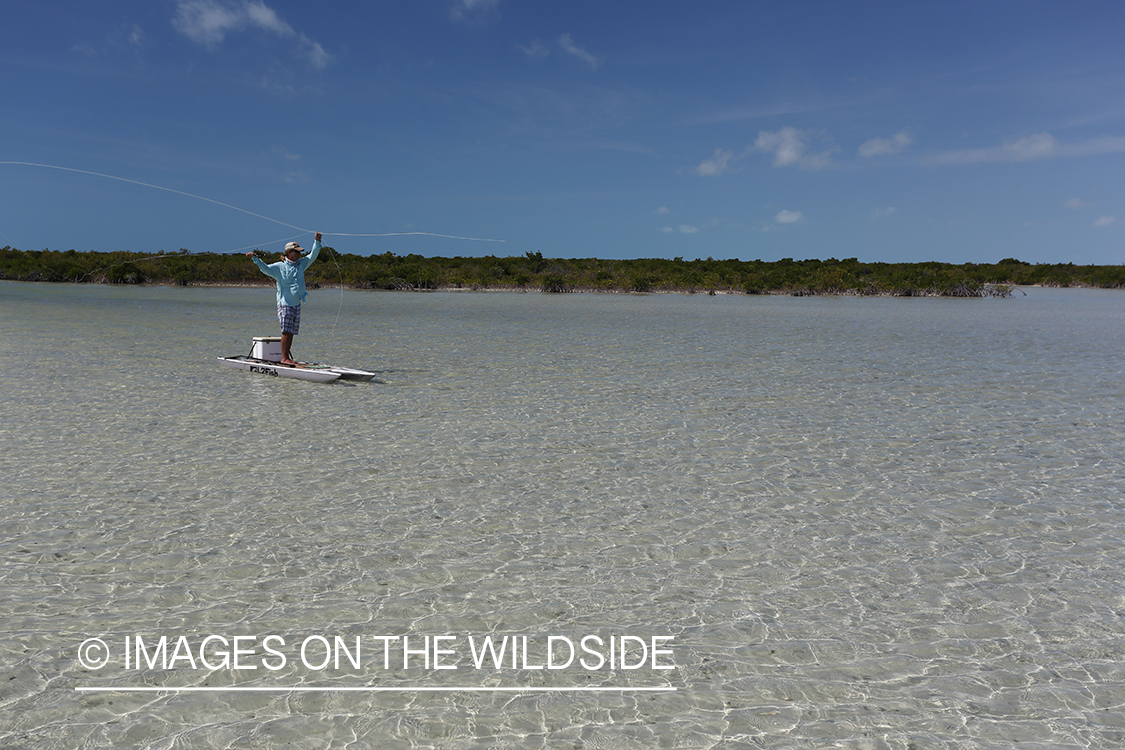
(533, 272)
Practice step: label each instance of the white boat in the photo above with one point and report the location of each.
(265, 359)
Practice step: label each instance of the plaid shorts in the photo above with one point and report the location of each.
(290, 318)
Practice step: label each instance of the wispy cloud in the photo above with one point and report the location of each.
(784, 109)
(208, 22)
(285, 154)
(787, 145)
(716, 165)
(788, 217)
(1105, 221)
(1029, 148)
(883, 212)
(682, 229)
(1074, 203)
(317, 56)
(468, 10)
(536, 50)
(131, 40)
(887, 146)
(568, 46)
(790, 146)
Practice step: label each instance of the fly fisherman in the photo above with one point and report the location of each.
(289, 273)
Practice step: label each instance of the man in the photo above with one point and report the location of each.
(289, 273)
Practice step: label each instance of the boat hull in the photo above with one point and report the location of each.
(350, 373)
(314, 373)
(265, 359)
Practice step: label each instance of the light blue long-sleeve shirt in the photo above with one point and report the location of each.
(290, 277)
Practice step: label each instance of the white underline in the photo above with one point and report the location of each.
(373, 689)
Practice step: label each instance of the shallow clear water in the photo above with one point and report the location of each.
(866, 522)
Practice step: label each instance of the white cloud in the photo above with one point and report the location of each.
(208, 22)
(568, 46)
(463, 10)
(787, 145)
(316, 54)
(1075, 203)
(716, 165)
(1029, 148)
(265, 18)
(667, 230)
(131, 39)
(887, 146)
(790, 146)
(788, 217)
(1038, 146)
(285, 153)
(536, 50)
(663, 210)
(1105, 221)
(688, 229)
(882, 213)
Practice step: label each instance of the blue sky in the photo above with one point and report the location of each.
(887, 131)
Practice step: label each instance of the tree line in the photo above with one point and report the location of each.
(533, 272)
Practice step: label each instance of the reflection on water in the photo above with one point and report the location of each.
(866, 522)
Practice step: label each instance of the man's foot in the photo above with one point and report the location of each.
(290, 362)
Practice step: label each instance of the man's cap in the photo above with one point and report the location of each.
(293, 246)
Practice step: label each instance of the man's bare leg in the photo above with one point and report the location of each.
(286, 344)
